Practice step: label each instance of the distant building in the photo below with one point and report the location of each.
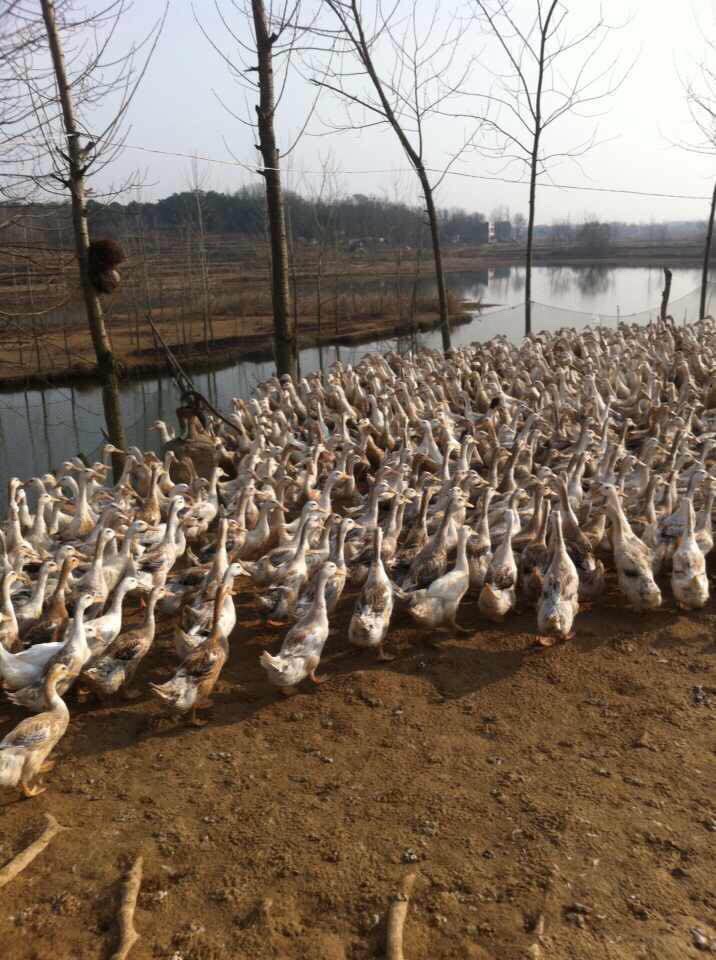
(481, 231)
(503, 231)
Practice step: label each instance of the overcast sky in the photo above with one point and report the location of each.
(177, 110)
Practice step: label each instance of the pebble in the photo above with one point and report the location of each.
(700, 941)
(710, 824)
(410, 856)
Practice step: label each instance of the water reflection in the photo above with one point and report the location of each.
(594, 281)
(39, 429)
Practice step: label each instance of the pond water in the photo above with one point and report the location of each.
(41, 428)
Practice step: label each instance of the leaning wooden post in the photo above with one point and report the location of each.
(666, 292)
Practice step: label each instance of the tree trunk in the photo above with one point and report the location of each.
(528, 250)
(106, 365)
(438, 259)
(534, 161)
(319, 310)
(285, 345)
(707, 255)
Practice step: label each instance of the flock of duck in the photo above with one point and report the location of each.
(529, 471)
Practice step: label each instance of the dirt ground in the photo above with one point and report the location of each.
(555, 804)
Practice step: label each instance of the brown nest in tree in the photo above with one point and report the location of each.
(104, 257)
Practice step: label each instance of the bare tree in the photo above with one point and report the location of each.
(197, 185)
(701, 99)
(405, 96)
(57, 94)
(548, 73)
(275, 34)
(324, 196)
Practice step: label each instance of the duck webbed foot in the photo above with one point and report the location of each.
(29, 791)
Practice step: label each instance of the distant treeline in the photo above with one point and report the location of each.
(358, 217)
(351, 221)
(355, 219)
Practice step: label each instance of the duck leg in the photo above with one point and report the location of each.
(194, 720)
(458, 629)
(317, 680)
(383, 656)
(47, 766)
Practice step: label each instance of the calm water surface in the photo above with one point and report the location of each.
(41, 428)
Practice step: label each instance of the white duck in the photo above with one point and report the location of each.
(24, 751)
(301, 650)
(499, 592)
(559, 603)
(101, 631)
(689, 582)
(437, 605)
(632, 559)
(73, 654)
(374, 607)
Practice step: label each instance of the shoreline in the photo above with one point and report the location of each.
(241, 331)
(252, 348)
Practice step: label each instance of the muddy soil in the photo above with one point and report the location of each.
(555, 804)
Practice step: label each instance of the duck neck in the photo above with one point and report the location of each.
(705, 513)
(78, 637)
(399, 517)
(461, 565)
(325, 537)
(213, 483)
(149, 621)
(129, 536)
(616, 514)
(99, 552)
(38, 594)
(217, 637)
(559, 548)
(82, 505)
(57, 600)
(7, 607)
(340, 556)
(541, 537)
(16, 536)
(324, 501)
(377, 570)
(53, 698)
(39, 526)
(170, 530)
(303, 539)
(319, 610)
(394, 513)
(120, 593)
(243, 504)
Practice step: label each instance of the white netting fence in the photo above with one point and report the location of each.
(510, 321)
